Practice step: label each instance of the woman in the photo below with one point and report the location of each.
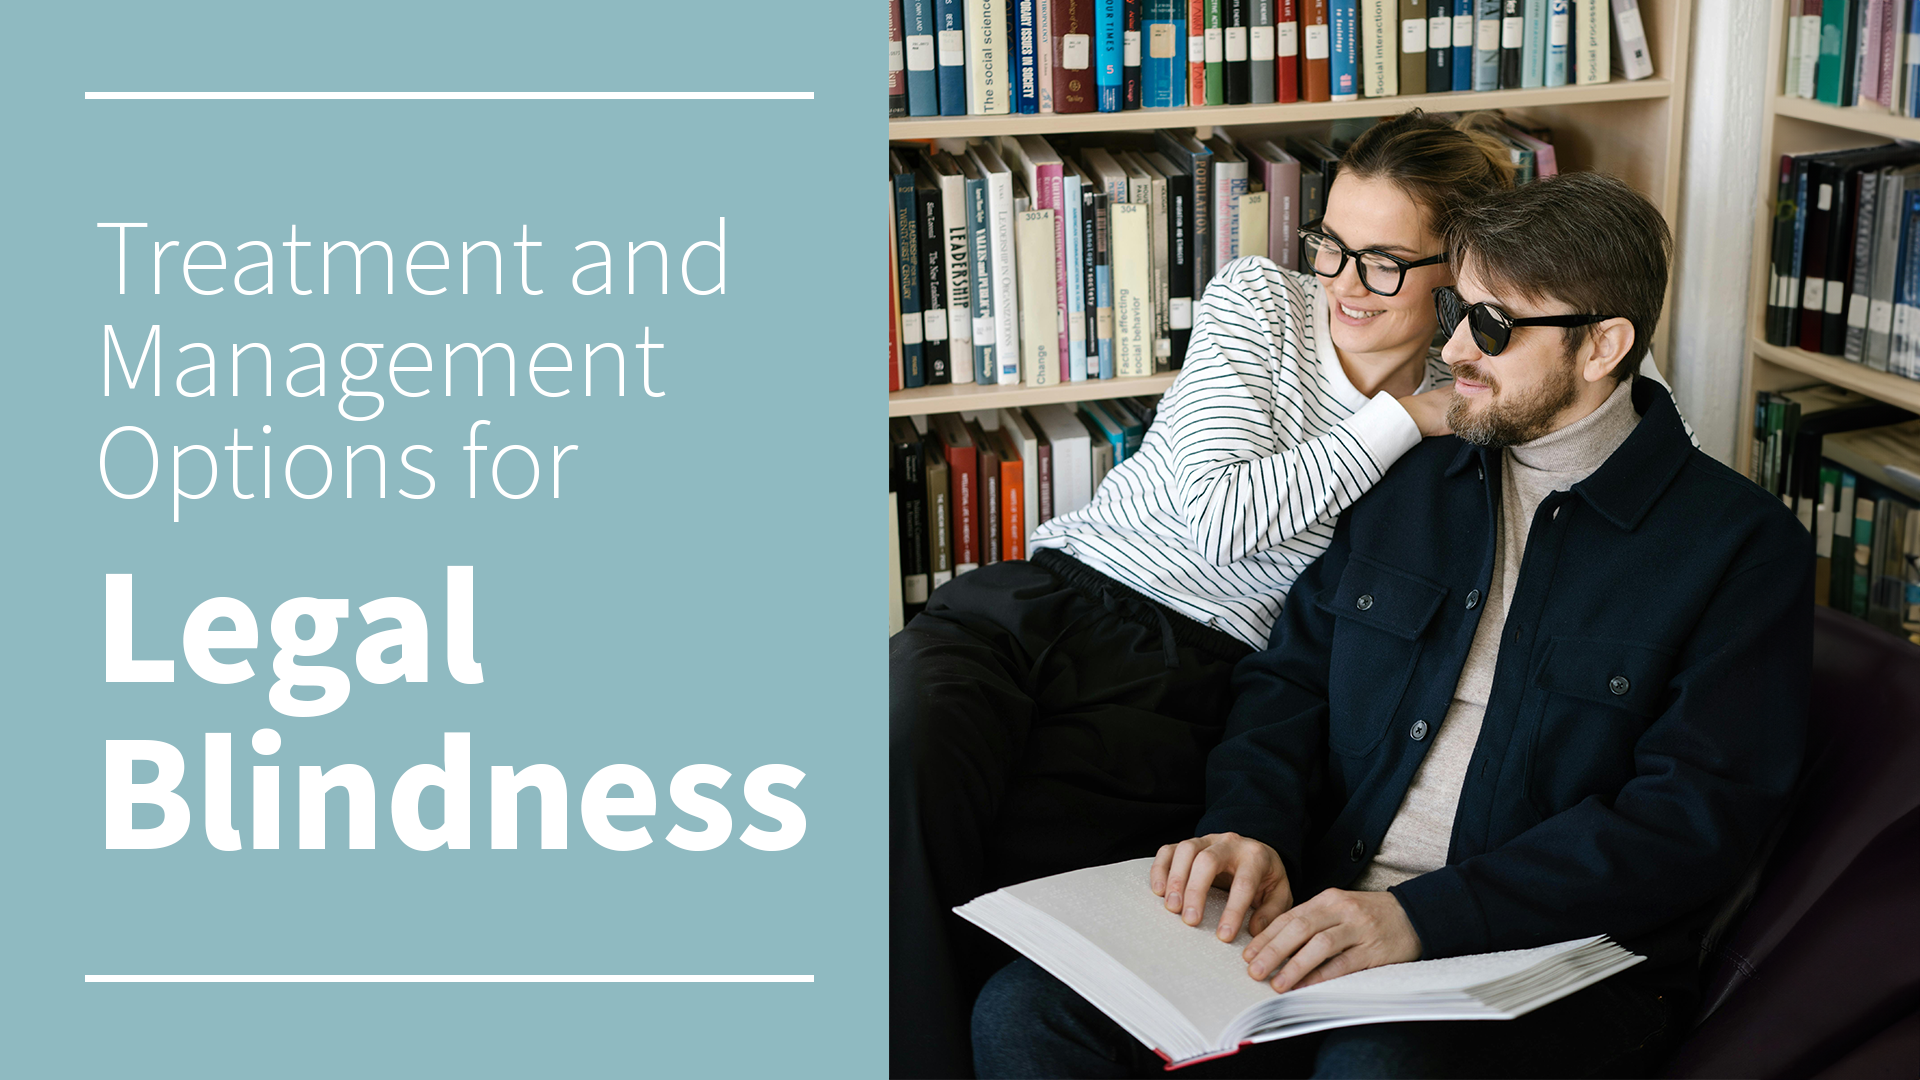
(1056, 713)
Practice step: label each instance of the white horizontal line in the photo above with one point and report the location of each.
(449, 95)
(449, 978)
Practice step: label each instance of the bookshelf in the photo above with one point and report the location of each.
(1791, 125)
(1632, 129)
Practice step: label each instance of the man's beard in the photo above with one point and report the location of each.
(1518, 421)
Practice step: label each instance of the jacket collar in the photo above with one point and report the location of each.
(1629, 482)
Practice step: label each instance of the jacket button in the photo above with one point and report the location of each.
(1418, 731)
(1619, 684)
(1365, 603)
(1359, 849)
(1473, 599)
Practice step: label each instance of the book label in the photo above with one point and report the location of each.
(1413, 35)
(935, 324)
(1463, 30)
(1216, 46)
(1489, 35)
(1076, 51)
(983, 328)
(1196, 49)
(910, 329)
(896, 56)
(1180, 313)
(1286, 39)
(1557, 30)
(1130, 48)
(1260, 42)
(953, 48)
(1880, 316)
(1512, 32)
(920, 52)
(1857, 312)
(1836, 295)
(1236, 48)
(1815, 296)
(1630, 27)
(1317, 42)
(1161, 41)
(1440, 32)
(1826, 196)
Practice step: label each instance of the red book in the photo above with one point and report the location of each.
(962, 463)
(1196, 52)
(1286, 52)
(1073, 89)
(1315, 78)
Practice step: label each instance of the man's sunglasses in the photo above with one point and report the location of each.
(1491, 327)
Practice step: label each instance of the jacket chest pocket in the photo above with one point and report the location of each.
(1380, 614)
(1600, 697)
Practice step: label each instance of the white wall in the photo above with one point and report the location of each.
(1719, 179)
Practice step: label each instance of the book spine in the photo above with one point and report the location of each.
(912, 510)
(1635, 61)
(1859, 300)
(1130, 59)
(1103, 283)
(1260, 51)
(1196, 52)
(1559, 40)
(1039, 342)
(1026, 58)
(1133, 340)
(912, 337)
(1157, 235)
(1236, 68)
(1164, 68)
(1071, 278)
(1840, 237)
(896, 366)
(1891, 29)
(923, 85)
(1052, 196)
(1779, 272)
(1073, 90)
(933, 293)
(1286, 52)
(1872, 38)
(1463, 31)
(1044, 16)
(950, 47)
(1854, 52)
(1216, 52)
(1316, 51)
(1809, 44)
(939, 513)
(1533, 44)
(989, 84)
(1044, 475)
(1179, 265)
(980, 294)
(1486, 45)
(1797, 259)
(1440, 46)
(1411, 47)
(1862, 570)
(1379, 67)
(1513, 37)
(988, 486)
(1090, 211)
(896, 60)
(1813, 297)
(1886, 261)
(1109, 48)
(1286, 216)
(1013, 498)
(955, 209)
(1006, 304)
(1343, 49)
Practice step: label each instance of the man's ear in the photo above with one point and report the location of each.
(1606, 348)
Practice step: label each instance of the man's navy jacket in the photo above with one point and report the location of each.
(1645, 722)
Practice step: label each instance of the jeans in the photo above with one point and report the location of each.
(1026, 1023)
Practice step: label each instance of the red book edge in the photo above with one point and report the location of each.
(1170, 1066)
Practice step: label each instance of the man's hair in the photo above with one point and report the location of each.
(1584, 239)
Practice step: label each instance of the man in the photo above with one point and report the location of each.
(1548, 681)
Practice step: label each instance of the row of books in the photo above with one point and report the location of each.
(1849, 466)
(1845, 272)
(993, 57)
(1037, 261)
(971, 487)
(1854, 53)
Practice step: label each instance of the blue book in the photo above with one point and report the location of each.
(1343, 45)
(1486, 45)
(1559, 33)
(1533, 45)
(1912, 104)
(906, 235)
(923, 85)
(980, 267)
(1906, 319)
(1108, 427)
(1463, 30)
(1109, 52)
(950, 45)
(1026, 56)
(1110, 415)
(1165, 62)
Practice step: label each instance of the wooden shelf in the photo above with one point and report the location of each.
(1873, 120)
(1892, 389)
(966, 397)
(962, 127)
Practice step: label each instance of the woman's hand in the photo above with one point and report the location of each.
(1251, 871)
(1429, 410)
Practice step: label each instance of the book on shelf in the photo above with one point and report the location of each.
(1411, 43)
(1287, 76)
(908, 481)
(1440, 47)
(1164, 66)
(1185, 994)
(930, 239)
(1072, 456)
(1073, 76)
(1630, 40)
(956, 251)
(1343, 49)
(923, 80)
(896, 60)
(1559, 41)
(963, 477)
(1260, 52)
(907, 259)
(950, 54)
(1024, 443)
(939, 502)
(1132, 14)
(1533, 44)
(896, 604)
(988, 492)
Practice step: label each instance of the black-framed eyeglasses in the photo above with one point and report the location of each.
(1491, 327)
(1382, 274)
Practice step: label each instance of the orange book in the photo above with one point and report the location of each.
(1196, 52)
(1013, 496)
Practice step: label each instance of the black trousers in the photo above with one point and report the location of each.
(1044, 718)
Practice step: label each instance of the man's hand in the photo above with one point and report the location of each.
(1250, 871)
(1429, 410)
(1333, 934)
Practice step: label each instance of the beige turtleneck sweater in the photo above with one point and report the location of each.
(1422, 830)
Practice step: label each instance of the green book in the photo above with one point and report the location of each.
(1862, 556)
(1833, 44)
(1216, 53)
(1840, 587)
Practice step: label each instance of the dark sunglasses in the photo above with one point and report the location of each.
(1380, 273)
(1491, 327)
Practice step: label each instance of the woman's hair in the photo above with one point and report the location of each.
(1440, 164)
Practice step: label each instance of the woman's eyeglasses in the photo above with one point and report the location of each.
(1492, 328)
(1381, 273)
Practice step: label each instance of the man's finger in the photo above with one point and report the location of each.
(1278, 900)
(1241, 895)
(1286, 938)
(1157, 877)
(1345, 963)
(1206, 866)
(1322, 947)
(1183, 854)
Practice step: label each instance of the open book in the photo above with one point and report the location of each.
(1186, 994)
